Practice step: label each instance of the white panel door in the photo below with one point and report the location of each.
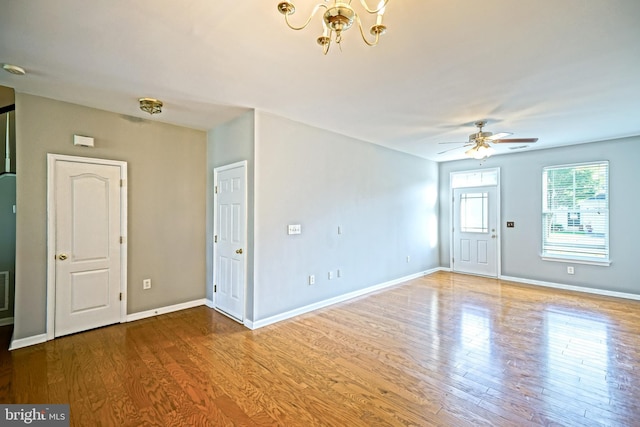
(230, 240)
(87, 246)
(475, 225)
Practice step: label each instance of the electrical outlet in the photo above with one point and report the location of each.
(312, 280)
(330, 275)
(146, 284)
(338, 273)
(570, 270)
(408, 259)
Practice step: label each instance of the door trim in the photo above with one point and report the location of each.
(498, 186)
(216, 171)
(51, 233)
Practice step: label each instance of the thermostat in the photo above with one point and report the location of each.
(82, 141)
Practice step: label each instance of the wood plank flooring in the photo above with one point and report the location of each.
(446, 349)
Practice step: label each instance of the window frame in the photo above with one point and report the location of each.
(576, 246)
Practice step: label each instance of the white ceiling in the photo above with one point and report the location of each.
(565, 71)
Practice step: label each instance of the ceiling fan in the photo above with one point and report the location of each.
(480, 140)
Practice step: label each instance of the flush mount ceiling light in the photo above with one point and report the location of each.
(339, 16)
(150, 105)
(14, 69)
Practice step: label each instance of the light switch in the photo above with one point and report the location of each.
(294, 229)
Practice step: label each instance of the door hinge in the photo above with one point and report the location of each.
(215, 189)
(122, 183)
(121, 240)
(120, 296)
(215, 239)
(215, 288)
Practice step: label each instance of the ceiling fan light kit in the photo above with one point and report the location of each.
(338, 17)
(480, 152)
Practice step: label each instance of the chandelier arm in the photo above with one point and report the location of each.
(364, 38)
(376, 10)
(325, 48)
(315, 10)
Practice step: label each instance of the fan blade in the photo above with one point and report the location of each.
(455, 148)
(499, 135)
(451, 142)
(508, 141)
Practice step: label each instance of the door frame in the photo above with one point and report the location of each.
(241, 164)
(51, 233)
(498, 216)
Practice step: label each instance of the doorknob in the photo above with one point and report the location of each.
(62, 257)
(239, 251)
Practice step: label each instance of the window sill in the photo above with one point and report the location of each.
(594, 261)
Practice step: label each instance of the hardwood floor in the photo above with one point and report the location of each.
(446, 349)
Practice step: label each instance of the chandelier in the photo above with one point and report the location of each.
(339, 16)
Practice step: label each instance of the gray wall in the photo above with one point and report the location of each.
(166, 205)
(521, 200)
(230, 143)
(384, 201)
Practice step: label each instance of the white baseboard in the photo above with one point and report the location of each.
(165, 310)
(572, 288)
(209, 303)
(6, 321)
(335, 300)
(37, 339)
(26, 342)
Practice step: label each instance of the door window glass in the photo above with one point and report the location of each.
(474, 216)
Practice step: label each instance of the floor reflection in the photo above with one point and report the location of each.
(576, 355)
(475, 331)
(476, 346)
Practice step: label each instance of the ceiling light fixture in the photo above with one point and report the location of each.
(150, 105)
(14, 69)
(338, 17)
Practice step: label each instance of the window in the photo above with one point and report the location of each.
(477, 178)
(575, 217)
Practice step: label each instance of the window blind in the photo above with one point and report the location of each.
(575, 217)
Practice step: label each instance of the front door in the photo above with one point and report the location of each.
(475, 230)
(230, 239)
(88, 221)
